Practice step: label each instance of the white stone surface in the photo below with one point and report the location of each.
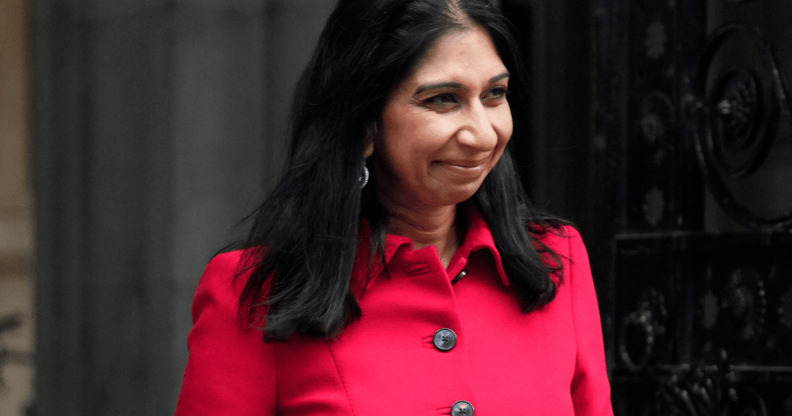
(16, 296)
(15, 236)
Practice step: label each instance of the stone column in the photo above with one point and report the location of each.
(150, 144)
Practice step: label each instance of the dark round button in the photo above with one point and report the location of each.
(462, 408)
(445, 339)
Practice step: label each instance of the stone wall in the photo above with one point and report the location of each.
(16, 230)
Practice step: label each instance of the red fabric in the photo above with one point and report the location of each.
(548, 362)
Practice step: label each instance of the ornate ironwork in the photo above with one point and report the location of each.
(744, 304)
(708, 390)
(738, 116)
(738, 123)
(691, 393)
(641, 328)
(700, 317)
(657, 114)
(710, 332)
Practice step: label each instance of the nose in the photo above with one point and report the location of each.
(478, 130)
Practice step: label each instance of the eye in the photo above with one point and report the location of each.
(442, 99)
(497, 93)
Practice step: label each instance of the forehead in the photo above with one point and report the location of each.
(465, 54)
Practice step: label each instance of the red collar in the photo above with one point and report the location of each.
(478, 237)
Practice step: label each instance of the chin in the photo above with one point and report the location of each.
(454, 197)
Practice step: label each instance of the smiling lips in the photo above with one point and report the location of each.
(465, 167)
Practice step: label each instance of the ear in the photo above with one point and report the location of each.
(369, 150)
(371, 137)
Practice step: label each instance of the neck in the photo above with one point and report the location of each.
(428, 226)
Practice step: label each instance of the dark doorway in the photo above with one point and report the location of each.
(663, 129)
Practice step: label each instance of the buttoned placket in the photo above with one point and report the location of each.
(426, 264)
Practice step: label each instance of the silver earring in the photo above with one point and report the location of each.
(363, 179)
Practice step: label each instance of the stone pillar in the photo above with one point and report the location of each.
(157, 126)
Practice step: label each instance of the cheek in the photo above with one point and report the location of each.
(418, 139)
(503, 125)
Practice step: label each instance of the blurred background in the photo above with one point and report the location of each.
(135, 134)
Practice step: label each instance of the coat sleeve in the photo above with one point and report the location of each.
(231, 370)
(590, 385)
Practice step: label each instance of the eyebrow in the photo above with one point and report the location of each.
(497, 78)
(456, 85)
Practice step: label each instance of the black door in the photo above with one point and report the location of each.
(697, 287)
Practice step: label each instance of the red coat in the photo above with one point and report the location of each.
(547, 362)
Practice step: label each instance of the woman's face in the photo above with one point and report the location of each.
(446, 125)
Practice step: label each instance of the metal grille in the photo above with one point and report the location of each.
(699, 315)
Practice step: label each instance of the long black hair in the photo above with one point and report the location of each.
(304, 237)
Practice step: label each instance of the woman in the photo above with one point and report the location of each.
(430, 287)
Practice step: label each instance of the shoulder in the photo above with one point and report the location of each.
(565, 241)
(223, 348)
(230, 265)
(222, 270)
(565, 253)
(223, 280)
(225, 263)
